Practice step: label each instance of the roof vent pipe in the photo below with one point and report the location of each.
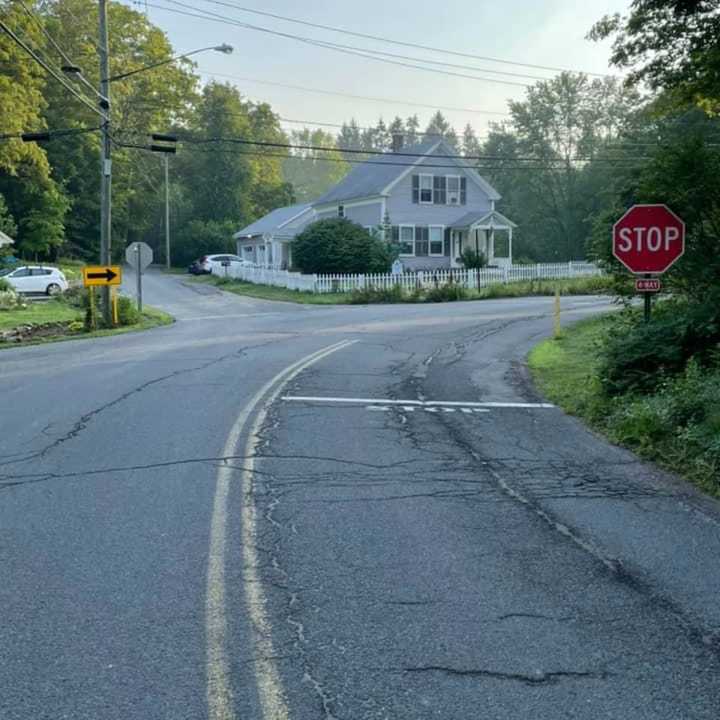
(398, 140)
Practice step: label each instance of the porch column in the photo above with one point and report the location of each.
(510, 246)
(491, 246)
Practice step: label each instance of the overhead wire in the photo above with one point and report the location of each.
(388, 101)
(382, 153)
(346, 49)
(82, 98)
(509, 164)
(57, 47)
(392, 41)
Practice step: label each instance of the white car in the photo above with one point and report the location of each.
(36, 279)
(216, 264)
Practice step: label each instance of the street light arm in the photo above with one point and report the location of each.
(227, 49)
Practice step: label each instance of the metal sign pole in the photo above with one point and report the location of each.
(138, 269)
(648, 303)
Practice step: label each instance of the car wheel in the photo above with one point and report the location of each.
(53, 289)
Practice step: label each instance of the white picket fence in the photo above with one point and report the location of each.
(409, 281)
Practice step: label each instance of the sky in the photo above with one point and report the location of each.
(549, 33)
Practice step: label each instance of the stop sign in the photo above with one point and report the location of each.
(648, 239)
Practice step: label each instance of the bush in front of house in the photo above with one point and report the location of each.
(473, 260)
(337, 245)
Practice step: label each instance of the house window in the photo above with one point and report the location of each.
(453, 189)
(407, 240)
(426, 189)
(463, 190)
(421, 240)
(439, 190)
(437, 235)
(341, 211)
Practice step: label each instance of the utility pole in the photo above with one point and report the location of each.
(105, 158)
(167, 212)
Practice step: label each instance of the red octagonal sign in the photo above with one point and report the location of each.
(648, 239)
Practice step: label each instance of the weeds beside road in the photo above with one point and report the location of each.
(671, 415)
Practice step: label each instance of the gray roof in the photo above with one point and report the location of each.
(482, 217)
(374, 175)
(273, 221)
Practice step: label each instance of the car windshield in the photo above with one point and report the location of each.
(5, 271)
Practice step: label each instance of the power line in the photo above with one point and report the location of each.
(391, 41)
(57, 47)
(398, 154)
(390, 101)
(346, 49)
(45, 135)
(50, 70)
(505, 165)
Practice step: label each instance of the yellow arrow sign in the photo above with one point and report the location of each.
(94, 275)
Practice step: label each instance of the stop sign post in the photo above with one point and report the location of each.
(647, 240)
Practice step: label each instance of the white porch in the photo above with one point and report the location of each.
(266, 251)
(481, 233)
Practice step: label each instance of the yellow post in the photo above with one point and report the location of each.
(557, 313)
(115, 306)
(93, 324)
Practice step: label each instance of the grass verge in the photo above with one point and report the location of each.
(677, 426)
(529, 288)
(55, 320)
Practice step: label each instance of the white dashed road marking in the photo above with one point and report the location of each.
(428, 405)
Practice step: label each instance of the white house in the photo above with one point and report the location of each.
(433, 202)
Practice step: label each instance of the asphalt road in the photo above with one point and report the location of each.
(270, 511)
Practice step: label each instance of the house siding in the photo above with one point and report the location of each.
(402, 210)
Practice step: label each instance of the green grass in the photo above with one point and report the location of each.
(37, 313)
(677, 426)
(575, 286)
(565, 369)
(58, 311)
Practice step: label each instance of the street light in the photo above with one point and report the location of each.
(224, 48)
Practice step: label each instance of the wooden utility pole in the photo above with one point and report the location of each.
(105, 158)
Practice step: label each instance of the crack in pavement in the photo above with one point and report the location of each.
(85, 419)
(538, 678)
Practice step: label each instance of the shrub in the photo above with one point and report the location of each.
(337, 245)
(473, 260)
(638, 357)
(127, 311)
(446, 293)
(9, 298)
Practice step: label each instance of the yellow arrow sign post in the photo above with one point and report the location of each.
(102, 275)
